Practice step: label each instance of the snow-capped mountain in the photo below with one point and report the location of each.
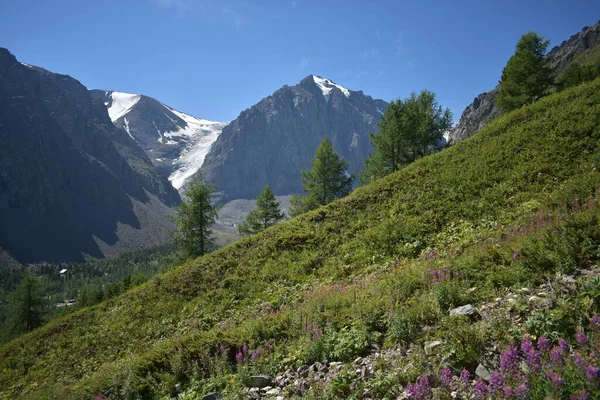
(273, 140)
(72, 185)
(175, 142)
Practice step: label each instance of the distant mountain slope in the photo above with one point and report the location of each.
(71, 184)
(479, 113)
(456, 203)
(175, 142)
(271, 141)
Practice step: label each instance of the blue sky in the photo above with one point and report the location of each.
(213, 59)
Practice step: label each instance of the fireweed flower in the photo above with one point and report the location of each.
(581, 339)
(581, 395)
(465, 376)
(595, 322)
(420, 390)
(556, 356)
(526, 345)
(521, 391)
(592, 373)
(496, 383)
(564, 346)
(509, 359)
(543, 344)
(446, 377)
(556, 380)
(480, 389)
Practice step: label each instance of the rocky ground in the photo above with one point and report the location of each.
(293, 383)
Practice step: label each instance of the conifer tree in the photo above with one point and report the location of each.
(28, 300)
(409, 129)
(527, 75)
(266, 214)
(194, 220)
(326, 181)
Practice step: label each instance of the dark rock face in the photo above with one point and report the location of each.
(483, 110)
(562, 55)
(173, 141)
(71, 183)
(476, 116)
(270, 142)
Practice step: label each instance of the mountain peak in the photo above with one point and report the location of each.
(327, 85)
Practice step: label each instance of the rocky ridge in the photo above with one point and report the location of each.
(483, 110)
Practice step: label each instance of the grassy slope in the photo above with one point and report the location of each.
(536, 158)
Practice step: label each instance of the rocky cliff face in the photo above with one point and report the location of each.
(270, 142)
(175, 142)
(71, 183)
(483, 110)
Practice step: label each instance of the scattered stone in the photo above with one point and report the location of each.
(525, 290)
(429, 346)
(467, 310)
(302, 368)
(483, 372)
(261, 381)
(273, 392)
(568, 279)
(535, 299)
(358, 360)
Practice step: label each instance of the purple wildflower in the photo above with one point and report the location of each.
(581, 339)
(465, 376)
(508, 392)
(245, 349)
(592, 373)
(521, 390)
(420, 390)
(515, 255)
(256, 354)
(239, 358)
(595, 322)
(446, 377)
(526, 345)
(496, 383)
(556, 380)
(556, 355)
(581, 395)
(543, 344)
(564, 346)
(578, 360)
(267, 346)
(509, 359)
(481, 389)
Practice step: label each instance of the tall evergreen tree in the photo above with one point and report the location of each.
(194, 220)
(409, 129)
(266, 214)
(527, 75)
(326, 181)
(28, 300)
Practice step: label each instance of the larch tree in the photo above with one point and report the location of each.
(267, 213)
(409, 129)
(195, 218)
(528, 74)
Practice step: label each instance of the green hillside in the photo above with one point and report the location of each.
(358, 266)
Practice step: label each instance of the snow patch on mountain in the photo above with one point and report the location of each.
(203, 134)
(327, 86)
(120, 104)
(127, 129)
